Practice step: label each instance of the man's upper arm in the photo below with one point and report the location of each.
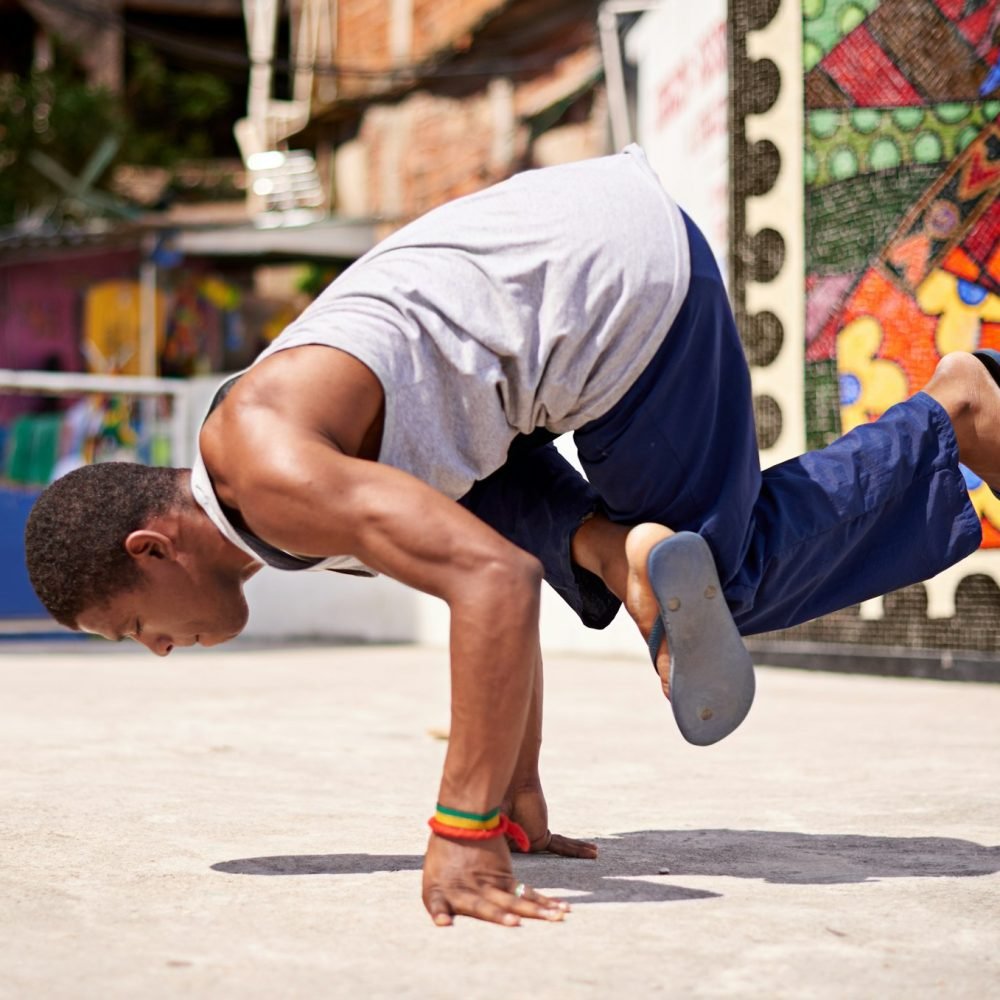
(308, 498)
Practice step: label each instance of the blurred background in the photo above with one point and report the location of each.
(178, 179)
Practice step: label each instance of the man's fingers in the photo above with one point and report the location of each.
(547, 901)
(567, 847)
(465, 903)
(531, 904)
(488, 904)
(492, 904)
(438, 908)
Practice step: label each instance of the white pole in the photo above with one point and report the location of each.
(147, 309)
(614, 77)
(261, 18)
(145, 388)
(180, 432)
(614, 74)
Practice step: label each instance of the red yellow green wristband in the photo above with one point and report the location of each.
(467, 820)
(460, 825)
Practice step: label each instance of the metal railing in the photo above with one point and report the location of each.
(78, 384)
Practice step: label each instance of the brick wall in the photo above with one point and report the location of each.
(456, 134)
(362, 34)
(441, 23)
(381, 34)
(427, 150)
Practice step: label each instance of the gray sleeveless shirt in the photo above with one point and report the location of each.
(535, 303)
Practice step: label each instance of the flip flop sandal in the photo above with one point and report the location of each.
(991, 361)
(711, 673)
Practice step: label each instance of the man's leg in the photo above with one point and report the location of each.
(882, 507)
(537, 500)
(916, 518)
(680, 447)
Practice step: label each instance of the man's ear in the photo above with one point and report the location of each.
(148, 544)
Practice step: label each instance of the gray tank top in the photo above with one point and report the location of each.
(530, 306)
(533, 304)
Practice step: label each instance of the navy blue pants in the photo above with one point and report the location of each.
(882, 507)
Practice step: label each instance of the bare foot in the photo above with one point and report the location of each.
(640, 602)
(966, 390)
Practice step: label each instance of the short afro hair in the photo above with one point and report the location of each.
(75, 537)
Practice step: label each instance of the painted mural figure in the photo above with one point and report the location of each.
(903, 148)
(404, 425)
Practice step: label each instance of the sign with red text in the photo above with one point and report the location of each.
(680, 50)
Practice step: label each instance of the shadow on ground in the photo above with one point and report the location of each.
(627, 862)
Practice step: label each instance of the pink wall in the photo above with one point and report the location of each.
(41, 308)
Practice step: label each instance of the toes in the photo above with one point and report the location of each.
(640, 601)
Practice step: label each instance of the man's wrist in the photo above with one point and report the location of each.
(457, 824)
(476, 790)
(465, 820)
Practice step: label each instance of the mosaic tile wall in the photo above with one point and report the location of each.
(866, 243)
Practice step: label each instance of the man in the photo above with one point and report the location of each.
(438, 368)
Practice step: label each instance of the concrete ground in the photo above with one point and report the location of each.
(250, 823)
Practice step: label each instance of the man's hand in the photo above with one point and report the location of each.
(473, 878)
(526, 807)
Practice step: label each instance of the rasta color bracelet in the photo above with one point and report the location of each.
(467, 820)
(460, 825)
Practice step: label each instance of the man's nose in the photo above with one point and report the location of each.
(158, 644)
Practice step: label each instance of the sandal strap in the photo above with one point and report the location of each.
(656, 635)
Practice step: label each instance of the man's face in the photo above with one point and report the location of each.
(172, 607)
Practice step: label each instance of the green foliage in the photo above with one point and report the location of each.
(314, 278)
(54, 113)
(169, 111)
(163, 118)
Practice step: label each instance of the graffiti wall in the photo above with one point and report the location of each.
(866, 176)
(902, 221)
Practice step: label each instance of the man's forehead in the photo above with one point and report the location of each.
(107, 622)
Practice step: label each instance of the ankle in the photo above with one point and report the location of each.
(598, 546)
(956, 387)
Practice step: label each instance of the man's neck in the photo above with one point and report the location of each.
(199, 533)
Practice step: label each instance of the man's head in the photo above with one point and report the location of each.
(122, 550)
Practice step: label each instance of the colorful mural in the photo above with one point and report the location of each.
(902, 223)
(865, 244)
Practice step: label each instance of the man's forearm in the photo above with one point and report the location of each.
(494, 653)
(526, 767)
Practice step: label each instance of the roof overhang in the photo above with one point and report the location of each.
(332, 239)
(326, 239)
